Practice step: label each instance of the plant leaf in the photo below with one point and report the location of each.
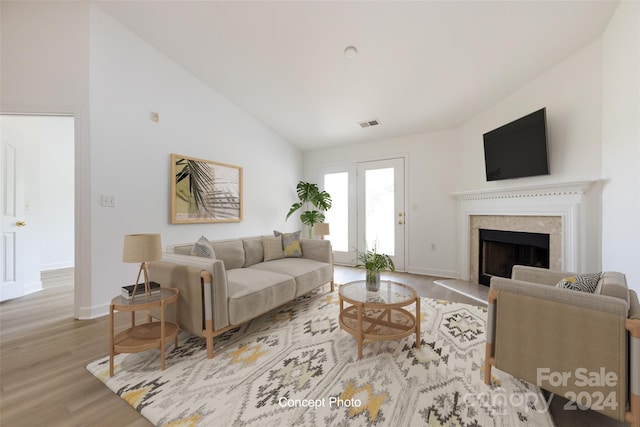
(311, 217)
(294, 207)
(306, 190)
(321, 200)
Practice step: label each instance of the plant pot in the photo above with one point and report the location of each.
(373, 280)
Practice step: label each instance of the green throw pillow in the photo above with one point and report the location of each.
(203, 248)
(581, 282)
(290, 244)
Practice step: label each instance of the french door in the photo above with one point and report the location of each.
(381, 215)
(367, 209)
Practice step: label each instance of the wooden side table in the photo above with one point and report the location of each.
(145, 336)
(379, 316)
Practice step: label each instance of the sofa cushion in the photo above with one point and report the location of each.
(231, 252)
(581, 282)
(308, 274)
(272, 248)
(253, 251)
(290, 244)
(254, 292)
(202, 248)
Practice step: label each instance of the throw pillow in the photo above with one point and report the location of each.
(203, 248)
(272, 248)
(230, 252)
(290, 244)
(581, 282)
(253, 251)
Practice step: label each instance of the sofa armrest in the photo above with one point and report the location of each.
(185, 273)
(587, 300)
(318, 250)
(634, 305)
(542, 276)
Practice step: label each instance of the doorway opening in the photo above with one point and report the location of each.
(37, 201)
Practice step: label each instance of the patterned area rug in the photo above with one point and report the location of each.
(296, 367)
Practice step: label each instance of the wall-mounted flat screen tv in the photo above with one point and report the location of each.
(517, 149)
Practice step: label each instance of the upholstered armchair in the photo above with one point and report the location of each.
(580, 345)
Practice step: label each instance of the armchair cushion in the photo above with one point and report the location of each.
(581, 282)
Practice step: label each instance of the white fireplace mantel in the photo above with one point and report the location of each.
(569, 201)
(578, 187)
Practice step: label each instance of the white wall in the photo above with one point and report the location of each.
(430, 207)
(46, 52)
(621, 143)
(44, 68)
(446, 162)
(130, 153)
(571, 93)
(57, 199)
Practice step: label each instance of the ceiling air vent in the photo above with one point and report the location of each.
(369, 123)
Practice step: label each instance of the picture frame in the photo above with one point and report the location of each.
(203, 191)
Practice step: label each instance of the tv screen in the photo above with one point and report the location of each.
(517, 149)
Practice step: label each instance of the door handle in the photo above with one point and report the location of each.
(20, 223)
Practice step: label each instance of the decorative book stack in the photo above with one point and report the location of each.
(127, 291)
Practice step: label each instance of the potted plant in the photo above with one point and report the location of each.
(374, 263)
(311, 196)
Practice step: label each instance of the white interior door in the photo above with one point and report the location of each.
(381, 213)
(13, 223)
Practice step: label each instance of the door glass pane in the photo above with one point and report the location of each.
(380, 210)
(337, 185)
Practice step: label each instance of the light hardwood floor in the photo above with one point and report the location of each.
(44, 351)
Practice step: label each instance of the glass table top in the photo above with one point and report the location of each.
(389, 292)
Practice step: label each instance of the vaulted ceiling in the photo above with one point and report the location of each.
(421, 65)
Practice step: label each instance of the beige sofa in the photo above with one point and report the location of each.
(584, 346)
(236, 286)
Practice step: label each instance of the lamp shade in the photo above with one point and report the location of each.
(141, 248)
(321, 229)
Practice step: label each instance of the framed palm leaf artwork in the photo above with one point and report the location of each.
(204, 191)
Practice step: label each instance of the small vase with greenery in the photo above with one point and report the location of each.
(374, 263)
(311, 196)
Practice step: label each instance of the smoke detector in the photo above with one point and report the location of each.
(350, 52)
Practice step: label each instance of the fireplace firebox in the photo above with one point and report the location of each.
(500, 250)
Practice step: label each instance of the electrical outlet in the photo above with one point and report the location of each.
(108, 201)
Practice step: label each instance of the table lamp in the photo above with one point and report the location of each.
(142, 248)
(321, 229)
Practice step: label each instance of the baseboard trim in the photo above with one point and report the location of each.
(57, 266)
(88, 313)
(449, 274)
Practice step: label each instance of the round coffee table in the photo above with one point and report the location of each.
(378, 316)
